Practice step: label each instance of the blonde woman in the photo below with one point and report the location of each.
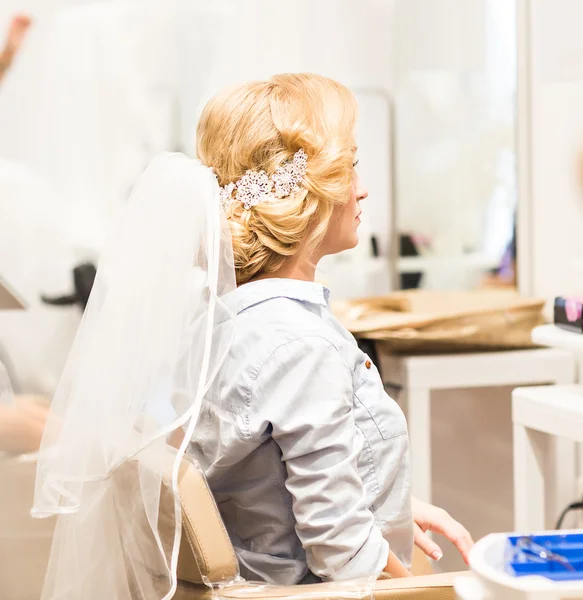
(309, 461)
(206, 331)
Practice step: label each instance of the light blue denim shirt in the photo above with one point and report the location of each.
(306, 455)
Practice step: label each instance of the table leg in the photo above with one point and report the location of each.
(418, 410)
(530, 470)
(563, 468)
(561, 482)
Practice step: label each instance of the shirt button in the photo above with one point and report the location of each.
(368, 364)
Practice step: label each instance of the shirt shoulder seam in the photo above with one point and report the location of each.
(258, 366)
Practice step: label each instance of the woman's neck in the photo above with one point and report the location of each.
(302, 267)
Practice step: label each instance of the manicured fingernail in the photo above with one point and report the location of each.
(437, 555)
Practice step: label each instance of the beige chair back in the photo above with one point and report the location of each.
(206, 552)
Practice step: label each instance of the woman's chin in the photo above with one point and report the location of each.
(353, 242)
(345, 243)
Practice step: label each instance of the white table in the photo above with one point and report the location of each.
(418, 376)
(539, 415)
(555, 337)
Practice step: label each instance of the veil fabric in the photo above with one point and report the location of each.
(155, 332)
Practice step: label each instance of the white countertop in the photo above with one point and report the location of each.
(555, 337)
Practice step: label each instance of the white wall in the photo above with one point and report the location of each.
(21, 88)
(550, 233)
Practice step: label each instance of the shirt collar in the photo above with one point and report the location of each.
(259, 291)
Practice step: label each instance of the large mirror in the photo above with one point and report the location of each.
(454, 88)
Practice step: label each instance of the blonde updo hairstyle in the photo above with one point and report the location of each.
(259, 126)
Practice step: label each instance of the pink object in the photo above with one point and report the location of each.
(573, 309)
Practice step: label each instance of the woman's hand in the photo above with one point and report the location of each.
(430, 518)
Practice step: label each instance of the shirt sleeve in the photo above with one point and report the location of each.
(304, 391)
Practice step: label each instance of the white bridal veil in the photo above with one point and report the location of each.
(153, 337)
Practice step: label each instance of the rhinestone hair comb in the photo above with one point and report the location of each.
(256, 186)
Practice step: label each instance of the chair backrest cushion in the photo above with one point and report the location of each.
(206, 553)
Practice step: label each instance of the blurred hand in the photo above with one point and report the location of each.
(22, 425)
(16, 33)
(430, 518)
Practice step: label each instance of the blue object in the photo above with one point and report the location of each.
(556, 556)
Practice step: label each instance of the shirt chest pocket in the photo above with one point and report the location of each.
(376, 411)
